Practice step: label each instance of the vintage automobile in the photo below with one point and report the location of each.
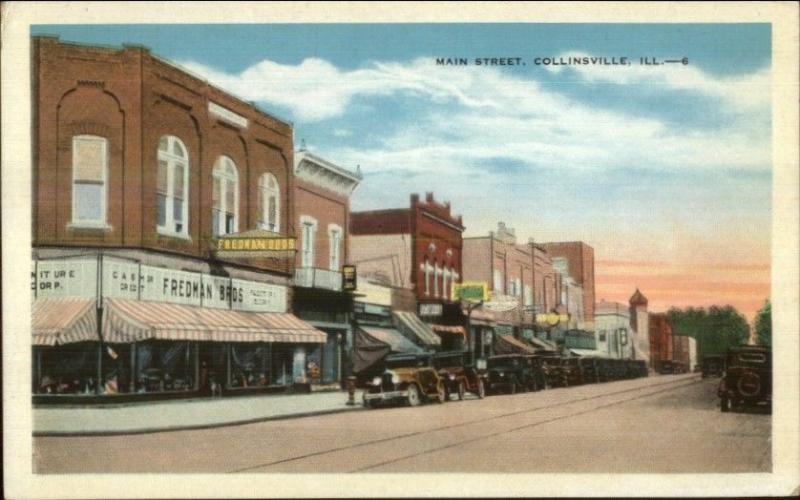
(537, 381)
(712, 365)
(667, 367)
(571, 371)
(461, 373)
(553, 372)
(589, 372)
(747, 380)
(509, 373)
(409, 378)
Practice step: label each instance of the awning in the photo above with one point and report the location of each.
(64, 321)
(589, 353)
(481, 317)
(393, 338)
(447, 329)
(132, 320)
(412, 326)
(542, 344)
(506, 344)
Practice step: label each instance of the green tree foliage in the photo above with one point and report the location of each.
(764, 325)
(715, 328)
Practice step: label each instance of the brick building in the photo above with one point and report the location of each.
(579, 259)
(661, 343)
(417, 248)
(321, 199)
(139, 170)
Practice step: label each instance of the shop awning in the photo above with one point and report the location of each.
(506, 344)
(447, 329)
(588, 353)
(481, 317)
(542, 344)
(132, 320)
(412, 325)
(64, 321)
(393, 338)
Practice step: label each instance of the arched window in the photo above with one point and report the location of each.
(89, 179)
(269, 203)
(173, 187)
(225, 197)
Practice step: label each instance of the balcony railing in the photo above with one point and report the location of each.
(311, 277)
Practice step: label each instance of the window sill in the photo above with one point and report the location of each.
(96, 226)
(169, 234)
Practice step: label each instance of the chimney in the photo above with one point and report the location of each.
(414, 198)
(429, 197)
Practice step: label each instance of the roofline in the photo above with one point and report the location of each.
(303, 154)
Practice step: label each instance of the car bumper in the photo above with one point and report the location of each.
(385, 396)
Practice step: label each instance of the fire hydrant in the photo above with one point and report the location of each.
(351, 391)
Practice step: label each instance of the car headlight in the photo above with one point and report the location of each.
(395, 379)
(376, 381)
(502, 374)
(451, 376)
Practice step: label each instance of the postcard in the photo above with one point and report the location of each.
(400, 250)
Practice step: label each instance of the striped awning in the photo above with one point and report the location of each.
(132, 321)
(481, 317)
(506, 344)
(455, 330)
(410, 324)
(64, 321)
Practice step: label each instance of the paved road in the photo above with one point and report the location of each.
(660, 424)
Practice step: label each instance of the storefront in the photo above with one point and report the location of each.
(104, 326)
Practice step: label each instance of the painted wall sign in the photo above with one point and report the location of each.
(430, 309)
(64, 278)
(227, 115)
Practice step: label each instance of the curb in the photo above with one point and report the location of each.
(154, 430)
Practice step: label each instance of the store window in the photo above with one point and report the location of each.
(309, 232)
(249, 364)
(89, 179)
(602, 336)
(335, 239)
(173, 187)
(269, 198)
(164, 366)
(225, 197)
(116, 369)
(66, 369)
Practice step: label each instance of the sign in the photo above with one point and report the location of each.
(430, 309)
(349, 278)
(226, 115)
(552, 319)
(373, 293)
(471, 291)
(64, 278)
(277, 247)
(501, 303)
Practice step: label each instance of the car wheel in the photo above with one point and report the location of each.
(724, 405)
(413, 395)
(462, 389)
(442, 395)
(481, 389)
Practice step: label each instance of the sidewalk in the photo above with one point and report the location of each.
(185, 414)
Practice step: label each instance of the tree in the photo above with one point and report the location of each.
(715, 329)
(764, 325)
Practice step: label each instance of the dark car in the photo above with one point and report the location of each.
(667, 368)
(553, 372)
(409, 378)
(712, 365)
(461, 373)
(747, 380)
(508, 373)
(571, 371)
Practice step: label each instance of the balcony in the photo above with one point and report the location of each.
(311, 277)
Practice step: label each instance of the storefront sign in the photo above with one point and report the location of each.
(471, 291)
(277, 244)
(552, 319)
(349, 278)
(430, 309)
(372, 293)
(501, 303)
(226, 115)
(64, 278)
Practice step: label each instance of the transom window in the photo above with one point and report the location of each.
(173, 187)
(225, 197)
(269, 198)
(89, 176)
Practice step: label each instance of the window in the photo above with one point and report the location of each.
(89, 171)
(335, 239)
(437, 272)
(426, 269)
(225, 197)
(602, 336)
(528, 296)
(497, 285)
(173, 187)
(446, 281)
(269, 207)
(309, 230)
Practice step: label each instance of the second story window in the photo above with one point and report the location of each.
(498, 281)
(225, 197)
(426, 271)
(309, 230)
(335, 239)
(269, 196)
(173, 187)
(89, 178)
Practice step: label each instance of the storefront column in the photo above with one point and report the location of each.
(133, 368)
(196, 349)
(99, 367)
(227, 365)
(299, 365)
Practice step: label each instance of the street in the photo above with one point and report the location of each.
(660, 424)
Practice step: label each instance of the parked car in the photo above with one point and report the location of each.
(508, 373)
(589, 372)
(461, 373)
(667, 368)
(747, 379)
(571, 371)
(409, 378)
(712, 365)
(553, 372)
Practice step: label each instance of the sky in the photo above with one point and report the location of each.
(665, 170)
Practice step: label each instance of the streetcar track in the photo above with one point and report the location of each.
(676, 384)
(515, 429)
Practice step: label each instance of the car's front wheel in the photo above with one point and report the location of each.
(413, 395)
(724, 404)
